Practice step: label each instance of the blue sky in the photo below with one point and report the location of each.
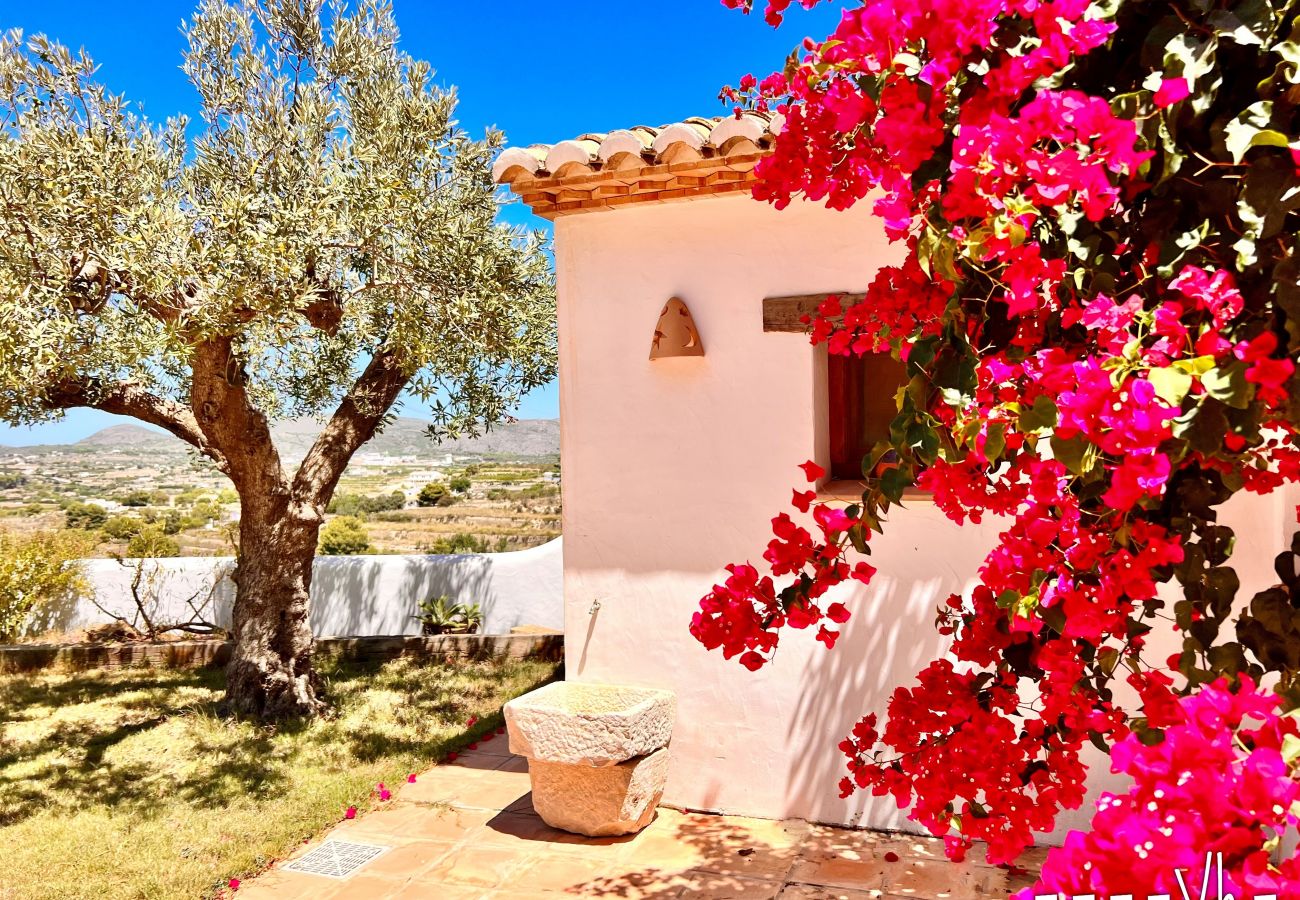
(541, 72)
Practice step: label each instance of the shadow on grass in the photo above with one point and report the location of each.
(139, 741)
(19, 693)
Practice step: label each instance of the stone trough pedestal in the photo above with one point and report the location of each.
(597, 754)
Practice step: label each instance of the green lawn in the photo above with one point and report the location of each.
(127, 784)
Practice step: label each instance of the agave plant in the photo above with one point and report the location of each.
(439, 615)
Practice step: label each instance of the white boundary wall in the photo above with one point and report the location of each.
(350, 595)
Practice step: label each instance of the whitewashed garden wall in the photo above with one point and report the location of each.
(351, 595)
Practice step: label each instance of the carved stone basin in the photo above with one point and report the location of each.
(596, 756)
(590, 724)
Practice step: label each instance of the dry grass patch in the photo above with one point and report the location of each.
(129, 785)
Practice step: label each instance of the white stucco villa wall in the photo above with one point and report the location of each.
(675, 467)
(350, 595)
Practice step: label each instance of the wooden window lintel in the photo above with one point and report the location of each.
(786, 313)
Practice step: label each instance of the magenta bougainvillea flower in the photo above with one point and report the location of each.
(1172, 90)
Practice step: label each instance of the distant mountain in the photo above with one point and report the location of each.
(410, 437)
(127, 436)
(404, 437)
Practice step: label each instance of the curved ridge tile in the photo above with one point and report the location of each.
(625, 141)
(578, 151)
(525, 159)
(692, 136)
(750, 127)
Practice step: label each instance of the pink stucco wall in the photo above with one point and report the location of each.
(675, 467)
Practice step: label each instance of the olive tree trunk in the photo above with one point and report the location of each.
(270, 675)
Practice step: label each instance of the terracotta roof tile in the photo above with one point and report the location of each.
(639, 147)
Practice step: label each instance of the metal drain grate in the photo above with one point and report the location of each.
(336, 859)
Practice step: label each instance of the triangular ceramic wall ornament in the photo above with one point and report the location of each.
(675, 333)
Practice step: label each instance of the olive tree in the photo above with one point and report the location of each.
(323, 242)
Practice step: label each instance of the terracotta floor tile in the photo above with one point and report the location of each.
(919, 847)
(523, 804)
(524, 831)
(414, 822)
(754, 860)
(604, 849)
(278, 885)
(513, 764)
(461, 783)
(941, 879)
(754, 848)
(563, 874)
(498, 744)
(408, 860)
(439, 784)
(713, 886)
(289, 885)
(828, 841)
(620, 884)
(928, 879)
(859, 871)
(473, 866)
(486, 789)
(422, 890)
(475, 760)
(815, 892)
(367, 886)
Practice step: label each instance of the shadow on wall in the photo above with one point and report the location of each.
(381, 595)
(889, 639)
(351, 595)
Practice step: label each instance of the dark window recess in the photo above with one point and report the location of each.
(861, 393)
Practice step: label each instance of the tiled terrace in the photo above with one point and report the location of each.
(468, 830)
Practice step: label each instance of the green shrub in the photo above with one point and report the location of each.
(460, 484)
(172, 522)
(459, 543)
(120, 528)
(151, 541)
(344, 536)
(431, 493)
(37, 569)
(345, 504)
(85, 515)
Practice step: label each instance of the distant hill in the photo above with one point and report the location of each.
(526, 438)
(125, 436)
(410, 437)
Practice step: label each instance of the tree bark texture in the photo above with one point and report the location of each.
(270, 675)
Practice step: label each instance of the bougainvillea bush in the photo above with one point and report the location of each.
(1099, 310)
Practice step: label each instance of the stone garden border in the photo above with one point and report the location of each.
(27, 658)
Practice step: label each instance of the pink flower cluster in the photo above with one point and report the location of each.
(1220, 788)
